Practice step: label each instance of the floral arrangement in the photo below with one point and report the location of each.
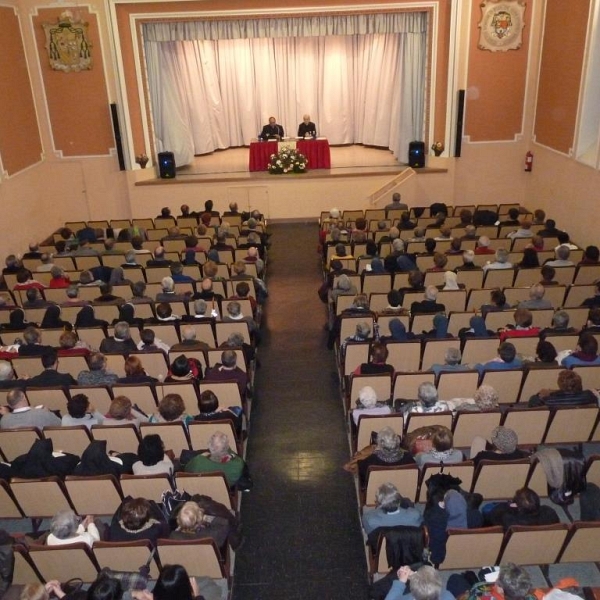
(287, 160)
(438, 148)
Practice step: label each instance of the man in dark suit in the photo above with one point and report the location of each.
(429, 304)
(50, 376)
(307, 128)
(272, 131)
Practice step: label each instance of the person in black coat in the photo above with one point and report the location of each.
(429, 304)
(570, 392)
(307, 128)
(272, 131)
(50, 377)
(138, 519)
(525, 509)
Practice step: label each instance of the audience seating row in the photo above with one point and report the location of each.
(522, 545)
(119, 438)
(533, 426)
(494, 480)
(421, 211)
(149, 275)
(513, 386)
(377, 288)
(201, 558)
(421, 355)
(102, 494)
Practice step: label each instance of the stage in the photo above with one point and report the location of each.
(346, 161)
(359, 176)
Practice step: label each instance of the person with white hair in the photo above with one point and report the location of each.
(307, 129)
(252, 256)
(427, 401)
(398, 260)
(429, 304)
(536, 298)
(452, 359)
(120, 342)
(483, 245)
(220, 457)
(425, 584)
(562, 257)
(368, 404)
(362, 334)
(233, 314)
(390, 510)
(501, 261)
(168, 293)
(342, 286)
(8, 379)
(188, 340)
(67, 528)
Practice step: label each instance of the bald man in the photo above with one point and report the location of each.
(272, 131)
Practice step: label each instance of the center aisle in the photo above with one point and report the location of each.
(303, 537)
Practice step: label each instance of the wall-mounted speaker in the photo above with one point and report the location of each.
(416, 155)
(166, 165)
(459, 123)
(117, 131)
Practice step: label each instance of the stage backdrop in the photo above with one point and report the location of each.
(213, 84)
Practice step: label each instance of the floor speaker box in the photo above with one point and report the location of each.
(416, 155)
(166, 165)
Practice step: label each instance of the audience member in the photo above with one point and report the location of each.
(570, 392)
(18, 413)
(97, 373)
(390, 510)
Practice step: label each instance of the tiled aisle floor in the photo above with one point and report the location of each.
(303, 538)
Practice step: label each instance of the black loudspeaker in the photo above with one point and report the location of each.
(459, 123)
(117, 131)
(416, 155)
(166, 165)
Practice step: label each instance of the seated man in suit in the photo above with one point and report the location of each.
(272, 131)
(307, 128)
(429, 304)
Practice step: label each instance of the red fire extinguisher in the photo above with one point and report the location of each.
(528, 161)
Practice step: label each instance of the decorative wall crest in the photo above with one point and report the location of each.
(68, 45)
(501, 25)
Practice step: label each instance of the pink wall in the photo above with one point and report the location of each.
(20, 143)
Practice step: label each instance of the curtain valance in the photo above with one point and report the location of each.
(325, 25)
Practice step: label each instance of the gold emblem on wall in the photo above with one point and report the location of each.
(501, 25)
(69, 48)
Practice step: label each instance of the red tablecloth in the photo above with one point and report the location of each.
(260, 153)
(316, 151)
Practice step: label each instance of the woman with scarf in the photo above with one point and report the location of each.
(52, 319)
(398, 332)
(127, 314)
(476, 329)
(17, 321)
(440, 329)
(87, 318)
(387, 453)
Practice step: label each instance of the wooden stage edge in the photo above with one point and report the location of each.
(262, 177)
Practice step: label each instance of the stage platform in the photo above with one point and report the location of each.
(232, 166)
(359, 176)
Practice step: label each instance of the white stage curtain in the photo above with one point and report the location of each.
(214, 94)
